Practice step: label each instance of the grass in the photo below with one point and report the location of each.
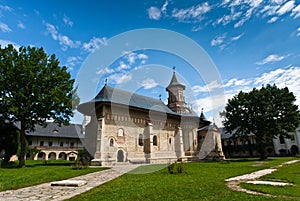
(202, 181)
(37, 172)
(287, 173)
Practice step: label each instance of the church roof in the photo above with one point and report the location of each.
(113, 95)
(174, 82)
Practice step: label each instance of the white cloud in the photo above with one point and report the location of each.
(123, 79)
(154, 13)
(194, 13)
(149, 83)
(67, 21)
(94, 44)
(273, 19)
(270, 59)
(282, 77)
(217, 40)
(106, 70)
(207, 88)
(298, 31)
(122, 66)
(4, 27)
(73, 61)
(288, 6)
(237, 37)
(296, 11)
(63, 40)
(4, 43)
(21, 25)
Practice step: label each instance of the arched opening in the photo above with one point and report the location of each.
(41, 156)
(120, 156)
(141, 140)
(62, 156)
(294, 150)
(111, 142)
(52, 156)
(120, 132)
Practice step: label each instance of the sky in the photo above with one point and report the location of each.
(218, 48)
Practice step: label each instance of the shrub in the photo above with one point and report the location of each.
(177, 168)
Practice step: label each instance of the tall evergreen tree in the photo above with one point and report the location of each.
(33, 89)
(268, 113)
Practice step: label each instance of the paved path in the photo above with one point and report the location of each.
(234, 182)
(47, 192)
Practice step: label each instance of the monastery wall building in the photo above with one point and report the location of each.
(126, 127)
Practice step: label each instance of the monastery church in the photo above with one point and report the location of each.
(126, 127)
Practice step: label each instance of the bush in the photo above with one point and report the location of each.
(177, 168)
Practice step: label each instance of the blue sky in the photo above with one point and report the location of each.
(251, 43)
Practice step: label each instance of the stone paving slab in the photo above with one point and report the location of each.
(272, 183)
(45, 191)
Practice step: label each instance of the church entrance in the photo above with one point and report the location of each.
(120, 156)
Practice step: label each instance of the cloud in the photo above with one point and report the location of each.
(4, 8)
(191, 14)
(298, 31)
(63, 40)
(4, 43)
(106, 70)
(132, 57)
(67, 21)
(296, 12)
(4, 27)
(119, 78)
(237, 37)
(73, 61)
(149, 83)
(155, 13)
(282, 77)
(21, 25)
(287, 7)
(207, 88)
(271, 59)
(273, 19)
(217, 40)
(94, 44)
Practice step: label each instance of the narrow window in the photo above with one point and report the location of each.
(72, 144)
(41, 143)
(154, 140)
(61, 144)
(141, 143)
(50, 144)
(120, 132)
(111, 142)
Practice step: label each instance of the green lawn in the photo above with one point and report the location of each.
(287, 173)
(203, 181)
(37, 172)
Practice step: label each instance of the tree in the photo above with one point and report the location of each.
(10, 140)
(33, 89)
(268, 112)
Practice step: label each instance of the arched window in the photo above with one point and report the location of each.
(121, 132)
(154, 140)
(141, 140)
(111, 142)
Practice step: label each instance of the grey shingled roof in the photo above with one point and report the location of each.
(70, 131)
(175, 82)
(113, 95)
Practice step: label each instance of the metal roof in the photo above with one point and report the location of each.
(113, 95)
(52, 130)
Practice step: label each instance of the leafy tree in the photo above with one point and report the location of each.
(268, 112)
(10, 140)
(33, 89)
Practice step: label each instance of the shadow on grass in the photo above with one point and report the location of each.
(14, 165)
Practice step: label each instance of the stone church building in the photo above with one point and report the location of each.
(132, 128)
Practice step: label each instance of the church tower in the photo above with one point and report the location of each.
(176, 100)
